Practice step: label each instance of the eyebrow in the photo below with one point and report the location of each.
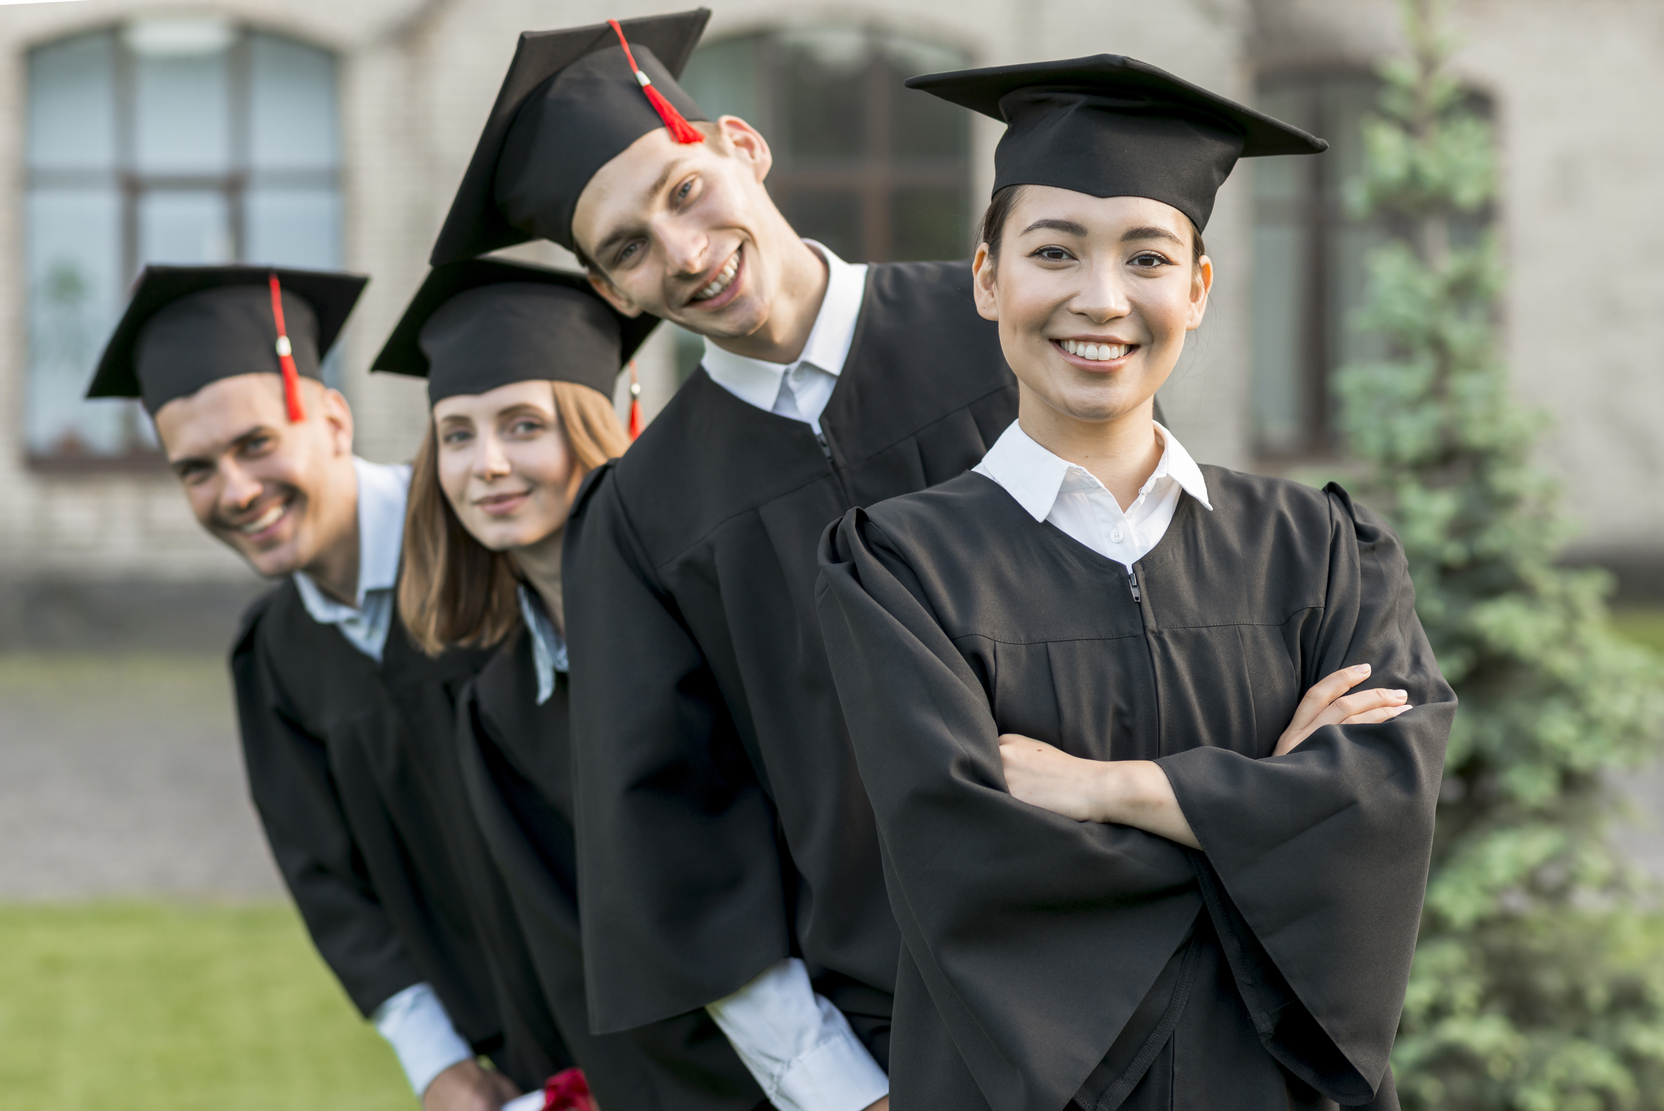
(626, 231)
(1067, 227)
(1149, 232)
(179, 466)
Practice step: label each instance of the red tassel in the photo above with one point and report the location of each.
(635, 403)
(568, 1090)
(286, 358)
(680, 129)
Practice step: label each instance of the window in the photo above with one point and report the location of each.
(876, 171)
(179, 140)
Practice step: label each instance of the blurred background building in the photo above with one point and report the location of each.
(322, 133)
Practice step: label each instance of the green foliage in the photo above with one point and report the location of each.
(1537, 984)
(170, 1008)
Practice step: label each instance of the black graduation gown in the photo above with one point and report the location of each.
(516, 763)
(353, 770)
(721, 823)
(1049, 962)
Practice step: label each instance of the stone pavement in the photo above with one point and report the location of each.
(120, 775)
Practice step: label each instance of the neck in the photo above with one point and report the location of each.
(792, 312)
(335, 570)
(539, 564)
(1122, 452)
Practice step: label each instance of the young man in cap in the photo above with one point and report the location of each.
(347, 728)
(728, 855)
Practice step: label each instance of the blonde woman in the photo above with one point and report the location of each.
(520, 363)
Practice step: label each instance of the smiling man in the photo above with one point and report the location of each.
(728, 856)
(347, 728)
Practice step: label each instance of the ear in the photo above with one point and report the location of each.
(337, 418)
(746, 144)
(983, 287)
(610, 293)
(1201, 284)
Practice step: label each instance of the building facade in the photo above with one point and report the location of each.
(316, 133)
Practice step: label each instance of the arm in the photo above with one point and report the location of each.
(437, 1061)
(1138, 793)
(681, 891)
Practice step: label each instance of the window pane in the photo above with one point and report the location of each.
(184, 226)
(723, 79)
(833, 218)
(921, 125)
(182, 116)
(927, 224)
(75, 287)
(72, 104)
(825, 88)
(1279, 385)
(293, 227)
(292, 119)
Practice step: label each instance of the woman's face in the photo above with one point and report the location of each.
(504, 464)
(1093, 296)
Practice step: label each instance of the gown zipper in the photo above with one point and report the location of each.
(838, 479)
(1132, 581)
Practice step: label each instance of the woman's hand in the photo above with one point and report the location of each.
(466, 1086)
(1327, 703)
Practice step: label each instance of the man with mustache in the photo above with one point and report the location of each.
(727, 853)
(347, 727)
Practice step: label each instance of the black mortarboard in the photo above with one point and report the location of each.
(481, 323)
(1112, 126)
(187, 326)
(573, 101)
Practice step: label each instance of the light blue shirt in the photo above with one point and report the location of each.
(548, 646)
(382, 493)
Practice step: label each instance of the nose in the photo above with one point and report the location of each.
(490, 461)
(238, 488)
(1102, 296)
(686, 249)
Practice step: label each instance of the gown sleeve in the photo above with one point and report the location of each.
(294, 794)
(681, 892)
(1100, 909)
(1316, 861)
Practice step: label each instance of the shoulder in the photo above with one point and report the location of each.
(953, 516)
(1283, 510)
(922, 281)
(266, 613)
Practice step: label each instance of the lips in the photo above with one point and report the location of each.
(502, 505)
(265, 520)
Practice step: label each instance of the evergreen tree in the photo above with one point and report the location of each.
(1537, 984)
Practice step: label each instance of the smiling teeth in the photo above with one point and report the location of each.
(720, 282)
(264, 521)
(1096, 352)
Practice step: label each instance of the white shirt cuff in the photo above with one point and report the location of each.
(797, 1045)
(416, 1025)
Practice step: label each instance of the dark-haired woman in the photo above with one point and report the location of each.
(520, 363)
(1121, 881)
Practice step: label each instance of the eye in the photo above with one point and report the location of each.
(456, 436)
(626, 252)
(1149, 260)
(526, 426)
(684, 190)
(1053, 254)
(259, 445)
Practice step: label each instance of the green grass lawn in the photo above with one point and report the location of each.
(158, 1007)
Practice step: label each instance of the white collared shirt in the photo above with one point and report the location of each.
(382, 493)
(801, 389)
(1071, 498)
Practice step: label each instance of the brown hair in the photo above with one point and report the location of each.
(453, 590)
(999, 211)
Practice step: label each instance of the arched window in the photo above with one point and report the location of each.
(182, 140)
(876, 171)
(1310, 258)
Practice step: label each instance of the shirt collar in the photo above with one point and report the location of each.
(548, 646)
(1034, 476)
(382, 493)
(758, 381)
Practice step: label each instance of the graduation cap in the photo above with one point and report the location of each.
(573, 100)
(481, 323)
(187, 326)
(1112, 126)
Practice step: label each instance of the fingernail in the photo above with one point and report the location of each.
(1401, 694)
(1362, 669)
(1401, 709)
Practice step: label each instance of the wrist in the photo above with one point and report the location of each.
(1122, 791)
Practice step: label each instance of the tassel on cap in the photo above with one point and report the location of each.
(285, 356)
(568, 1090)
(635, 402)
(680, 129)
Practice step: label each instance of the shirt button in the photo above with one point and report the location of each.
(1116, 536)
